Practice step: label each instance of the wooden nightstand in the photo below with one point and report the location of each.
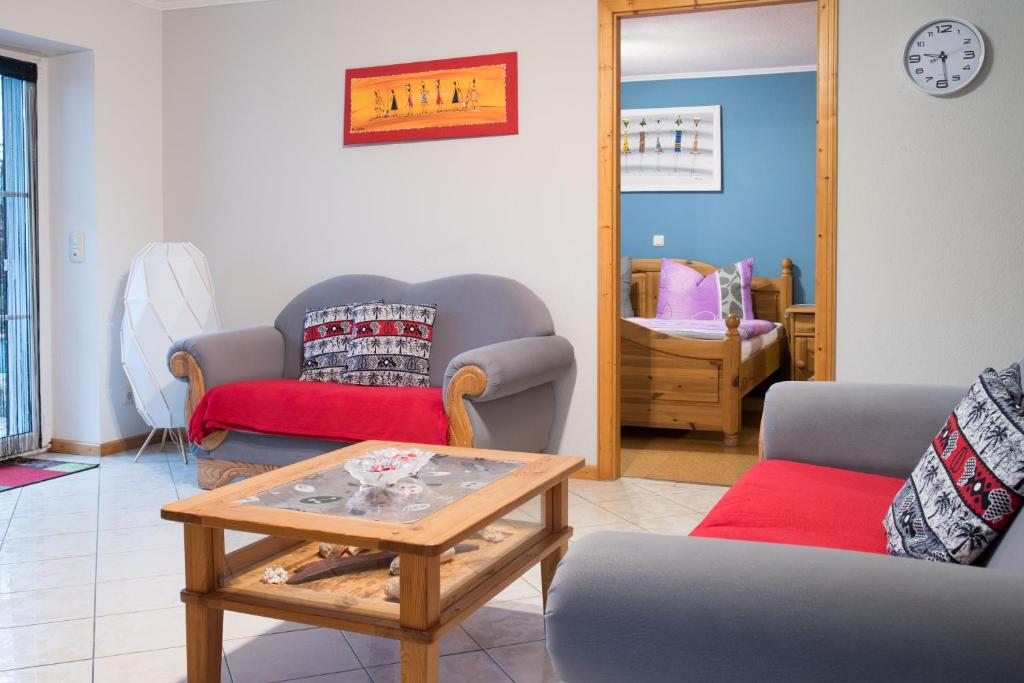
(800, 328)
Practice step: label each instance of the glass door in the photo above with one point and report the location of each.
(19, 285)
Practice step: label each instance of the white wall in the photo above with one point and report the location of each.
(125, 40)
(929, 207)
(931, 235)
(72, 201)
(249, 103)
(256, 175)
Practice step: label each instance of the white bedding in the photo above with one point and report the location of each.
(749, 346)
(688, 329)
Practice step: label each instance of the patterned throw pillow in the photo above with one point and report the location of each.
(325, 335)
(390, 345)
(968, 486)
(685, 294)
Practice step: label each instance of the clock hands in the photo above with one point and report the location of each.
(943, 57)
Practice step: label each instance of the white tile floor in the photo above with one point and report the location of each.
(90, 574)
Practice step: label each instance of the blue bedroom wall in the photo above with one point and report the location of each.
(766, 206)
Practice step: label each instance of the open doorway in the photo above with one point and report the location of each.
(717, 144)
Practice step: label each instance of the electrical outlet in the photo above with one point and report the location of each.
(658, 241)
(127, 397)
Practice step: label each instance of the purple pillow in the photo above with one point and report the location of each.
(685, 294)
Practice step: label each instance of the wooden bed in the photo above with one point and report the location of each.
(680, 383)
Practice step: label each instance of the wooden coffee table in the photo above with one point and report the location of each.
(435, 597)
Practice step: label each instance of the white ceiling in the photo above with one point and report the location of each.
(779, 37)
(188, 4)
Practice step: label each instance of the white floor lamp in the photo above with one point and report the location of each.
(169, 296)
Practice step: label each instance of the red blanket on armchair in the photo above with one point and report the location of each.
(323, 410)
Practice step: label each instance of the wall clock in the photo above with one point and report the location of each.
(944, 55)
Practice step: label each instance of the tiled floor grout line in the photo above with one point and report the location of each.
(138, 578)
(46, 588)
(484, 650)
(358, 658)
(96, 568)
(14, 508)
(23, 668)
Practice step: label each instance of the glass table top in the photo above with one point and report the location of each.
(333, 491)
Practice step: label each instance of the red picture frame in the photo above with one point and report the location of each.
(431, 100)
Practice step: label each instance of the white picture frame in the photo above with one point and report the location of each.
(675, 168)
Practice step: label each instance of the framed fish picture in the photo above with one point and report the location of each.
(671, 149)
(445, 98)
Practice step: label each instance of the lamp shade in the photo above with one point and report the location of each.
(168, 296)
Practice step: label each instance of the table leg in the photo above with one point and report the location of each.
(420, 609)
(204, 626)
(556, 518)
(421, 662)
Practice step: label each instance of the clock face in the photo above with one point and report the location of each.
(944, 55)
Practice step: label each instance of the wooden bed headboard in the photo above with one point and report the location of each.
(772, 295)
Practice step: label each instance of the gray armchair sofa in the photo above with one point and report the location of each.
(494, 353)
(652, 609)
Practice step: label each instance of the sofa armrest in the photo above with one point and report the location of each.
(876, 428)
(206, 361)
(514, 366)
(234, 355)
(635, 607)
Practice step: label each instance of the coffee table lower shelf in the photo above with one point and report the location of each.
(467, 584)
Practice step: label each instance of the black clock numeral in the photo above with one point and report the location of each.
(967, 41)
(955, 77)
(919, 71)
(968, 54)
(942, 83)
(920, 43)
(944, 28)
(914, 59)
(927, 79)
(930, 34)
(967, 67)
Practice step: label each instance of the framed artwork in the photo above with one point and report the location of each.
(674, 149)
(446, 98)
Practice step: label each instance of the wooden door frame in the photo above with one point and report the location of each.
(609, 14)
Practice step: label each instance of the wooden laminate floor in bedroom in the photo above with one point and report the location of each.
(689, 456)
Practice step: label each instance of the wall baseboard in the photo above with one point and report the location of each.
(105, 448)
(588, 472)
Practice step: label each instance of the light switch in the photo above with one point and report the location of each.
(658, 241)
(76, 246)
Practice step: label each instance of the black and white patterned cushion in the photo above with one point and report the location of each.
(390, 345)
(325, 335)
(970, 483)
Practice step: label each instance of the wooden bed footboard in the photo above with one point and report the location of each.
(679, 383)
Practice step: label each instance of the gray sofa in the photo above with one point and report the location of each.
(494, 353)
(651, 609)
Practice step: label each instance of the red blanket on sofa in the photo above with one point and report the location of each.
(323, 410)
(780, 501)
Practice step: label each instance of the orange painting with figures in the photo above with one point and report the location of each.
(448, 98)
